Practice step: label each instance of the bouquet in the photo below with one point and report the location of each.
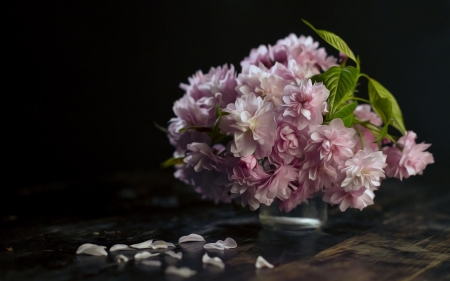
(291, 125)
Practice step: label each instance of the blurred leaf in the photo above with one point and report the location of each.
(172, 162)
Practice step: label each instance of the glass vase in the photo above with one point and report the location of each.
(305, 217)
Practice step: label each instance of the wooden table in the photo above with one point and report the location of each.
(404, 236)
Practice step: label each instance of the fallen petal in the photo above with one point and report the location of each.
(151, 263)
(174, 255)
(144, 245)
(121, 259)
(214, 261)
(119, 247)
(261, 262)
(214, 246)
(145, 255)
(229, 243)
(191, 238)
(161, 245)
(184, 272)
(92, 249)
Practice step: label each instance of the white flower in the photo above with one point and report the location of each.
(214, 261)
(92, 249)
(174, 255)
(261, 262)
(145, 255)
(119, 247)
(121, 259)
(159, 244)
(144, 245)
(191, 238)
(184, 272)
(229, 243)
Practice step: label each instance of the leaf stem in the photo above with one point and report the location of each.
(360, 136)
(360, 99)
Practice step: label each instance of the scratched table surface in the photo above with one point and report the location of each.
(404, 236)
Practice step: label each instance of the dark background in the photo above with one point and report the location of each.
(85, 81)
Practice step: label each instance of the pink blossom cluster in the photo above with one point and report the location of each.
(259, 136)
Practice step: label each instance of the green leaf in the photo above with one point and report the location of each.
(340, 82)
(195, 128)
(334, 41)
(376, 91)
(383, 132)
(161, 128)
(348, 121)
(383, 107)
(172, 162)
(346, 110)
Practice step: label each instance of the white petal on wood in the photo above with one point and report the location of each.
(191, 238)
(261, 262)
(229, 243)
(160, 244)
(144, 245)
(145, 255)
(92, 249)
(214, 261)
(174, 255)
(213, 246)
(121, 259)
(151, 263)
(119, 247)
(184, 272)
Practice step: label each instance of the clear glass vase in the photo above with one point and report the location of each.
(307, 217)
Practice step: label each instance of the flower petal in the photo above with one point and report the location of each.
(145, 255)
(92, 249)
(144, 245)
(160, 244)
(261, 262)
(150, 263)
(174, 255)
(119, 247)
(213, 246)
(184, 272)
(216, 261)
(191, 238)
(229, 243)
(121, 259)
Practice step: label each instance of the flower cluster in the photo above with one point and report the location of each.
(280, 130)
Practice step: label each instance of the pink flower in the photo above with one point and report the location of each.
(247, 171)
(407, 158)
(297, 196)
(368, 138)
(212, 185)
(245, 195)
(363, 112)
(257, 56)
(202, 156)
(333, 142)
(289, 144)
(219, 84)
(251, 121)
(181, 140)
(365, 168)
(305, 104)
(192, 113)
(264, 83)
(303, 50)
(278, 184)
(315, 174)
(358, 199)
